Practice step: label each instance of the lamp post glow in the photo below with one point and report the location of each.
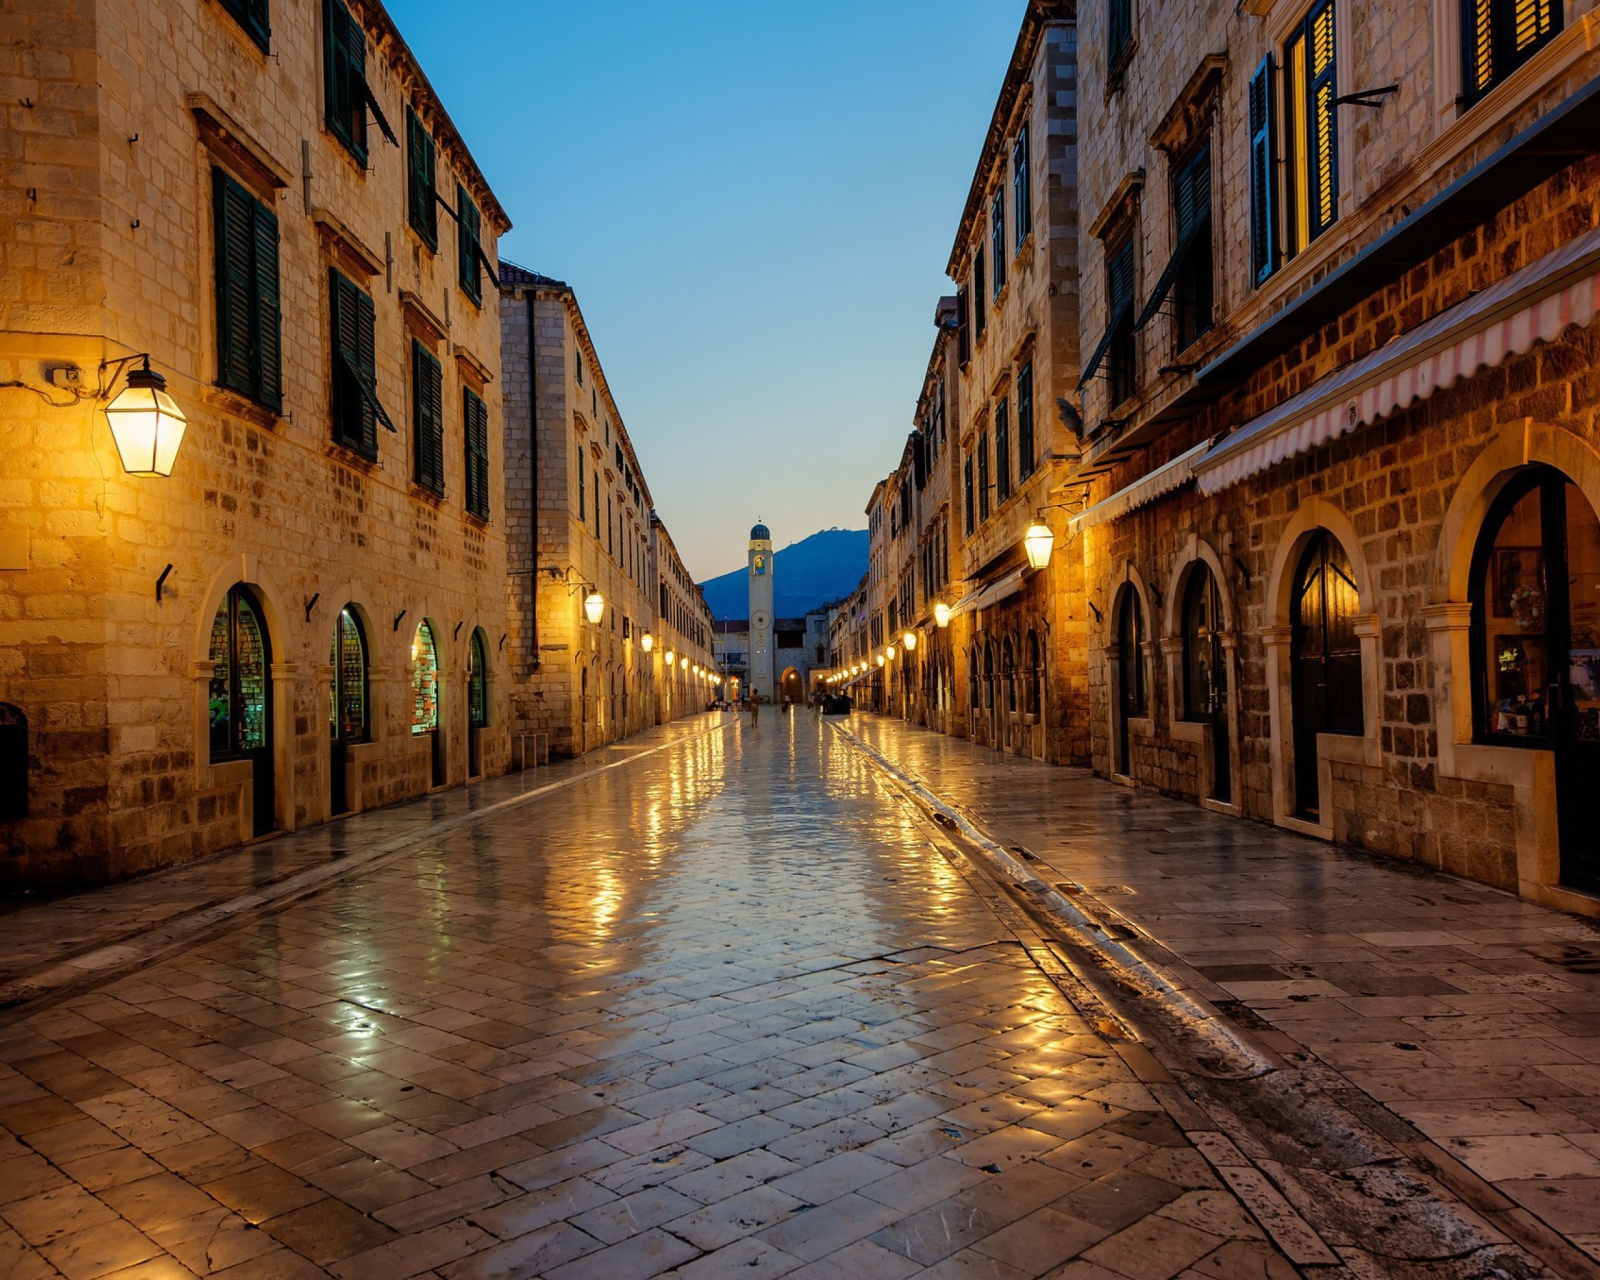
(910, 641)
(889, 653)
(671, 657)
(146, 424)
(647, 642)
(594, 606)
(1040, 542)
(683, 664)
(941, 614)
(880, 659)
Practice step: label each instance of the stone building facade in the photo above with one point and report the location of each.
(1343, 427)
(303, 618)
(582, 523)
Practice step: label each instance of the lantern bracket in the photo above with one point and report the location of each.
(398, 618)
(161, 582)
(312, 603)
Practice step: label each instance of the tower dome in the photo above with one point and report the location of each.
(760, 533)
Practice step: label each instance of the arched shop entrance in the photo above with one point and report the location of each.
(240, 699)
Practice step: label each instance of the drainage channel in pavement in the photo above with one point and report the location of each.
(1343, 1185)
(111, 957)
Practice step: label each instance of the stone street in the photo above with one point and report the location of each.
(722, 1001)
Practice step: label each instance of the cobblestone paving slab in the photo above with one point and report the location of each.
(724, 1012)
(1468, 1014)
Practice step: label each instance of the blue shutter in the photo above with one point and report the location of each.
(1263, 175)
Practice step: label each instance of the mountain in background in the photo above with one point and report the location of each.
(812, 572)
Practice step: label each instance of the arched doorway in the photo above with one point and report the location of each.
(425, 698)
(1205, 673)
(1535, 595)
(791, 688)
(1324, 660)
(240, 698)
(1132, 696)
(583, 710)
(348, 716)
(477, 700)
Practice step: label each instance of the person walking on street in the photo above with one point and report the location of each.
(755, 707)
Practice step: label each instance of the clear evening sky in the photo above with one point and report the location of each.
(755, 203)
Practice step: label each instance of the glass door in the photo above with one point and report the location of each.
(347, 704)
(1206, 674)
(240, 698)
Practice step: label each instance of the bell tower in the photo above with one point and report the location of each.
(763, 656)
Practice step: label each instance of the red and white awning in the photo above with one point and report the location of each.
(1534, 304)
(1147, 488)
(994, 593)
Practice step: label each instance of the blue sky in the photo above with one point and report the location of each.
(755, 203)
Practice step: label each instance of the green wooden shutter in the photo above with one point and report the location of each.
(1021, 186)
(427, 418)
(1263, 176)
(1323, 144)
(475, 429)
(268, 311)
(997, 237)
(345, 395)
(468, 224)
(367, 367)
(1025, 421)
(344, 69)
(252, 16)
(422, 206)
(234, 212)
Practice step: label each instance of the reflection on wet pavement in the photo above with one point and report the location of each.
(725, 1010)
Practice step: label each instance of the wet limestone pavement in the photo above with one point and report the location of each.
(724, 1011)
(1468, 1014)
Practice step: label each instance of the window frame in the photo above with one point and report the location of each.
(1194, 281)
(475, 441)
(1122, 348)
(1119, 40)
(1505, 58)
(985, 507)
(1022, 187)
(255, 17)
(1002, 452)
(997, 241)
(344, 69)
(1310, 207)
(1026, 460)
(353, 366)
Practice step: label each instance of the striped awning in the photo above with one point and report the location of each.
(1147, 488)
(1533, 304)
(996, 591)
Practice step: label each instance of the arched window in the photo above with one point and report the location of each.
(13, 763)
(347, 692)
(424, 680)
(1132, 697)
(988, 675)
(478, 681)
(1324, 657)
(1035, 674)
(1202, 645)
(241, 678)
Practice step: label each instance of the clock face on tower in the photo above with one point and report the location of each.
(759, 619)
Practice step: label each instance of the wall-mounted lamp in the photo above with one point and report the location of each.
(594, 606)
(647, 642)
(1039, 542)
(910, 641)
(941, 614)
(146, 423)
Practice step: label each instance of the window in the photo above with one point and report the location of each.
(469, 247)
(1498, 36)
(347, 691)
(1263, 175)
(963, 329)
(1194, 283)
(346, 96)
(583, 514)
(595, 477)
(241, 676)
(356, 410)
(1025, 421)
(1202, 649)
(478, 680)
(427, 419)
(977, 295)
(1324, 659)
(1121, 353)
(13, 763)
(1311, 129)
(249, 346)
(252, 16)
(1002, 451)
(578, 364)
(997, 238)
(1021, 186)
(966, 485)
(424, 680)
(983, 476)
(422, 203)
(1119, 35)
(475, 430)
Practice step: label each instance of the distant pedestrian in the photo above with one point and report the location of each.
(755, 707)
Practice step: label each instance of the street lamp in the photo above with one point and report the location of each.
(880, 659)
(647, 642)
(941, 614)
(671, 657)
(146, 424)
(1039, 541)
(683, 664)
(910, 641)
(889, 653)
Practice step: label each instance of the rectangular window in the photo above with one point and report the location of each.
(252, 16)
(1498, 36)
(1119, 34)
(595, 477)
(978, 295)
(469, 248)
(1194, 282)
(1002, 451)
(249, 343)
(611, 529)
(1121, 354)
(345, 95)
(583, 512)
(356, 410)
(1311, 128)
(475, 429)
(983, 476)
(1025, 421)
(997, 238)
(1021, 186)
(963, 329)
(427, 419)
(966, 485)
(1263, 175)
(422, 205)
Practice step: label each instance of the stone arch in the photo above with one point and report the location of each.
(1195, 551)
(1312, 515)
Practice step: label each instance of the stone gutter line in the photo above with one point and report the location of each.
(113, 958)
(1241, 1059)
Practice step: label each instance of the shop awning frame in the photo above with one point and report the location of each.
(1147, 488)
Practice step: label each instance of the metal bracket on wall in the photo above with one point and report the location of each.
(1244, 571)
(456, 634)
(1367, 97)
(312, 603)
(399, 617)
(161, 582)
